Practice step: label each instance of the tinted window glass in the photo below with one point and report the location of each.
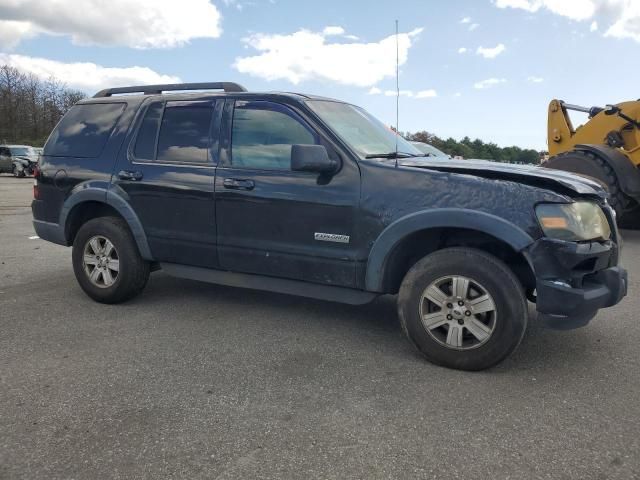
(147, 135)
(184, 133)
(84, 130)
(363, 132)
(262, 136)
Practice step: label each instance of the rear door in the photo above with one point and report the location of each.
(168, 176)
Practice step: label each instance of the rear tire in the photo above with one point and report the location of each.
(586, 163)
(106, 261)
(473, 321)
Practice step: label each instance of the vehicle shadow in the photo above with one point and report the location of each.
(377, 322)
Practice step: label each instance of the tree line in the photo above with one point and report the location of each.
(468, 148)
(31, 107)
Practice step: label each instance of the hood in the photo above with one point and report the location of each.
(529, 174)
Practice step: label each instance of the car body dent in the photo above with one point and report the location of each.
(532, 175)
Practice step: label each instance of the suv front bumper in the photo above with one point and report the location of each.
(575, 280)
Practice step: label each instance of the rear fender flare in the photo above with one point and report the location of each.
(102, 194)
(487, 223)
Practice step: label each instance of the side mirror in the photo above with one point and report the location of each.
(311, 158)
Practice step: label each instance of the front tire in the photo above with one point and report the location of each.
(462, 308)
(106, 261)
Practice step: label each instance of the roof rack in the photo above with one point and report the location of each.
(157, 89)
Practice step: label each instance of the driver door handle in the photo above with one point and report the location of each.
(238, 184)
(130, 175)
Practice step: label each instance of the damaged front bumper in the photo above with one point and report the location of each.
(575, 280)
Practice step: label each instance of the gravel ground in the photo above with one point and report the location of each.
(192, 381)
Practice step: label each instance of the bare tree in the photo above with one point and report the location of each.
(31, 107)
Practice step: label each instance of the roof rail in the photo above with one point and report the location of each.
(157, 89)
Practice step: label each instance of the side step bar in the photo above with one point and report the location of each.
(271, 284)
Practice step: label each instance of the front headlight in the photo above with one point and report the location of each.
(573, 222)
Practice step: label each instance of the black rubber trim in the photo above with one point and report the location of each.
(271, 284)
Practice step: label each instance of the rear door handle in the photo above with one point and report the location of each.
(238, 184)
(129, 175)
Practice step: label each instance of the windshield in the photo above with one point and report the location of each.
(429, 149)
(361, 131)
(23, 151)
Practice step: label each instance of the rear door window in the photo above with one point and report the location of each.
(178, 132)
(84, 130)
(145, 147)
(185, 132)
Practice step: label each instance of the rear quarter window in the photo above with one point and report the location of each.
(84, 130)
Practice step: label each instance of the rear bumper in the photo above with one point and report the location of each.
(575, 280)
(51, 232)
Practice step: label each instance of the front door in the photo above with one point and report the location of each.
(272, 220)
(168, 175)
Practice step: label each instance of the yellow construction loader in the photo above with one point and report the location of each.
(606, 147)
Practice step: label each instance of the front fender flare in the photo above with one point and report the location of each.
(487, 223)
(102, 194)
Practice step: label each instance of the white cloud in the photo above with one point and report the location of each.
(627, 24)
(466, 20)
(488, 83)
(305, 55)
(139, 24)
(12, 31)
(87, 77)
(431, 93)
(533, 79)
(457, 95)
(473, 26)
(462, 50)
(231, 3)
(491, 52)
(403, 93)
(622, 17)
(333, 31)
(574, 9)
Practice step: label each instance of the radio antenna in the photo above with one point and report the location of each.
(397, 92)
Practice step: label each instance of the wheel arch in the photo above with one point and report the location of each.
(626, 172)
(94, 202)
(416, 235)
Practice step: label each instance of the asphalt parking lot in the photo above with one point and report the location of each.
(192, 380)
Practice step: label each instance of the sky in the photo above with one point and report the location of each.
(480, 68)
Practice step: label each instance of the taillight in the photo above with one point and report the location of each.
(36, 190)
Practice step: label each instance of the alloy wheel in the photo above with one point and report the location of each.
(458, 312)
(100, 261)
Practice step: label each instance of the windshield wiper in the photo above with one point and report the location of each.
(392, 155)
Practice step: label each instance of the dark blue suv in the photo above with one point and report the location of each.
(311, 196)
